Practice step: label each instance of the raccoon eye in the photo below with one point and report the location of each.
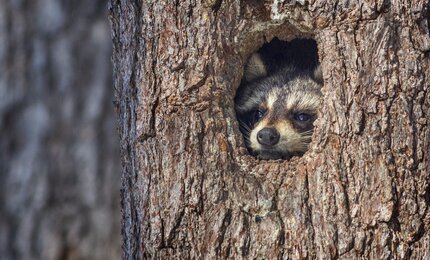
(303, 117)
(259, 114)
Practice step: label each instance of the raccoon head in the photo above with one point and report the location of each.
(277, 112)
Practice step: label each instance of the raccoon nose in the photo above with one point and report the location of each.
(268, 136)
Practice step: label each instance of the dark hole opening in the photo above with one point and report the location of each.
(277, 101)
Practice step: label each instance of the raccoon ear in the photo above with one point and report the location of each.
(255, 68)
(317, 75)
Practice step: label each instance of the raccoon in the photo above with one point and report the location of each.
(276, 108)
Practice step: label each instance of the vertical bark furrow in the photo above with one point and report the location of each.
(124, 59)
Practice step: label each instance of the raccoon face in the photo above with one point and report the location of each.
(277, 112)
(280, 124)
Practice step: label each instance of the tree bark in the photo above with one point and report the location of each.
(190, 189)
(59, 156)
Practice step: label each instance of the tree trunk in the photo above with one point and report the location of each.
(59, 156)
(191, 190)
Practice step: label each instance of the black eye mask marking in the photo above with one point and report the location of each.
(258, 114)
(302, 117)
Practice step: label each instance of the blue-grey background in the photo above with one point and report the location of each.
(59, 156)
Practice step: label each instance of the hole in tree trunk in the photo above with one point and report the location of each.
(278, 99)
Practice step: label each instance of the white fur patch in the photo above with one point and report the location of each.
(272, 97)
(302, 101)
(290, 140)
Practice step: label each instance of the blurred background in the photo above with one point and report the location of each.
(59, 156)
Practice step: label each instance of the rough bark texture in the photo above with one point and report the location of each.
(59, 156)
(189, 187)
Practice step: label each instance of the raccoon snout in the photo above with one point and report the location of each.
(268, 136)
